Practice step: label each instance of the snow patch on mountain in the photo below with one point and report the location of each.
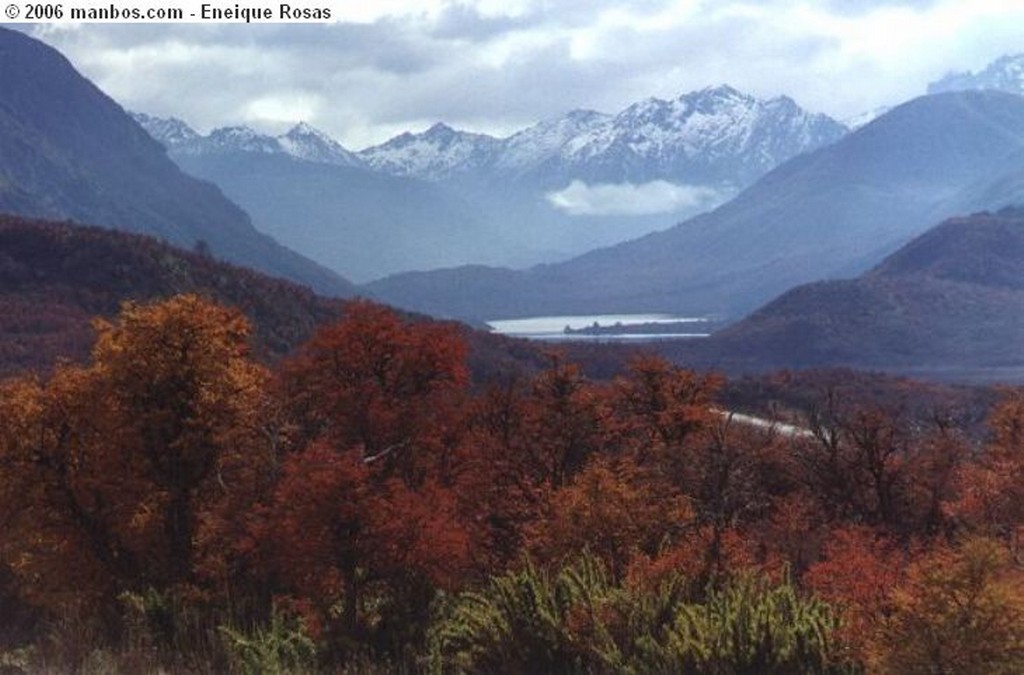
(302, 141)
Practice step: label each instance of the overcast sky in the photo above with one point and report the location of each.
(496, 66)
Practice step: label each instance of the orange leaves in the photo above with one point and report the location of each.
(128, 452)
(861, 567)
(960, 610)
(615, 510)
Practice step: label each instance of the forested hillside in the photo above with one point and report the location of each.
(174, 505)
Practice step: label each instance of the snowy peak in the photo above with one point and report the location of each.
(302, 141)
(307, 142)
(545, 141)
(438, 153)
(1004, 74)
(241, 139)
(170, 131)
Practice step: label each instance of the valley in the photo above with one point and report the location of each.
(707, 384)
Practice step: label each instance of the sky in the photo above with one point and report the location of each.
(496, 66)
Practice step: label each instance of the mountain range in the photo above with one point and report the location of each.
(445, 197)
(68, 151)
(833, 212)
(712, 137)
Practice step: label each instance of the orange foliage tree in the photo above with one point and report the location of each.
(365, 507)
(121, 460)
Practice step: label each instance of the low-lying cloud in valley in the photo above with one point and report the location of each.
(628, 199)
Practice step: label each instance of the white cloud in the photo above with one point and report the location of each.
(498, 65)
(628, 199)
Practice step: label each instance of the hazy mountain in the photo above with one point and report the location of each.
(362, 223)
(830, 213)
(308, 191)
(1004, 74)
(445, 197)
(69, 151)
(951, 299)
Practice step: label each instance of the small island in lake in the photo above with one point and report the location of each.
(690, 327)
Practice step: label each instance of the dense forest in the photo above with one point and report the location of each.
(174, 504)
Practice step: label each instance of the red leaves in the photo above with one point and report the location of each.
(376, 382)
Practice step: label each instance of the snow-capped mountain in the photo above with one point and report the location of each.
(302, 141)
(546, 140)
(713, 136)
(237, 139)
(438, 153)
(170, 131)
(306, 142)
(709, 136)
(1004, 74)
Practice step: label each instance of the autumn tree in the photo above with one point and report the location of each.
(382, 386)
(334, 536)
(858, 574)
(655, 407)
(365, 508)
(877, 465)
(960, 610)
(121, 460)
(991, 498)
(614, 509)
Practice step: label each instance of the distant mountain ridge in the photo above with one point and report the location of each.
(831, 213)
(67, 151)
(715, 135)
(302, 141)
(443, 197)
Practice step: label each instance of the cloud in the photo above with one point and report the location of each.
(627, 199)
(495, 66)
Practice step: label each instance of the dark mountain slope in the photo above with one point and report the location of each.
(54, 277)
(951, 299)
(69, 151)
(831, 213)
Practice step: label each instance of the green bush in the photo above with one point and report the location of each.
(578, 621)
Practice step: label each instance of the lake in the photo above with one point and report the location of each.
(552, 328)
